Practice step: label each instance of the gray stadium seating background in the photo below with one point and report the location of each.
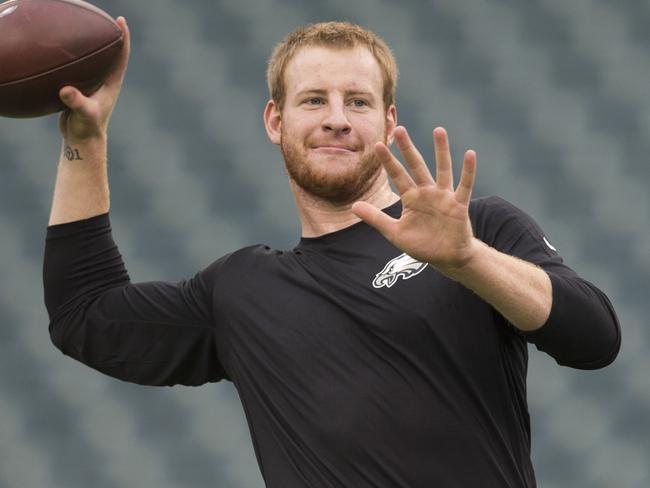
(553, 95)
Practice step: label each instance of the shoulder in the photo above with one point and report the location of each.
(244, 261)
(506, 227)
(494, 209)
(242, 256)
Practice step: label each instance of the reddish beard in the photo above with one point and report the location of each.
(339, 189)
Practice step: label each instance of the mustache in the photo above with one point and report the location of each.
(349, 147)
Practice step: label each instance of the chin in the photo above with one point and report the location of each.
(337, 178)
(338, 188)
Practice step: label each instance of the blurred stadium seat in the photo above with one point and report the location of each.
(553, 95)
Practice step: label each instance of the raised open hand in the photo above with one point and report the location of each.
(434, 226)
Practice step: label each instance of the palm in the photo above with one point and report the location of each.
(434, 226)
(81, 125)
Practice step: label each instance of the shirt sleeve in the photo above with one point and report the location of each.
(155, 333)
(582, 330)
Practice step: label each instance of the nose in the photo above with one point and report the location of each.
(335, 120)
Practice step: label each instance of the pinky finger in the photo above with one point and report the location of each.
(466, 184)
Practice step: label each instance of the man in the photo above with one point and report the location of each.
(388, 348)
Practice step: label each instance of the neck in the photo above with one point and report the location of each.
(319, 217)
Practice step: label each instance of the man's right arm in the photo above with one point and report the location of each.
(154, 333)
(81, 189)
(158, 333)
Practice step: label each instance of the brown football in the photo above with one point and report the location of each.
(48, 44)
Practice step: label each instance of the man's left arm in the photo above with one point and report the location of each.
(521, 291)
(562, 314)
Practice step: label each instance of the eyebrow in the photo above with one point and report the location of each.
(315, 91)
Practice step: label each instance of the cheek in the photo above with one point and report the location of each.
(299, 128)
(371, 131)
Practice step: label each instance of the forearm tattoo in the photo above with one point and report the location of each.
(72, 154)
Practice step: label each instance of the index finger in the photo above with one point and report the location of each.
(397, 172)
(413, 158)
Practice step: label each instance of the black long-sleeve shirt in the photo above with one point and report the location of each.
(356, 365)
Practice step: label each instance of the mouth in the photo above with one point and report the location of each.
(327, 148)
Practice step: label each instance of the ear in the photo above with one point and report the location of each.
(273, 122)
(391, 124)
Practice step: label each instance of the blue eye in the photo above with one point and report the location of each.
(314, 101)
(359, 103)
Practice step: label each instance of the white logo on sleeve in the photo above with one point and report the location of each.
(550, 246)
(403, 266)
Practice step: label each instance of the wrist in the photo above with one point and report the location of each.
(461, 270)
(96, 140)
(90, 149)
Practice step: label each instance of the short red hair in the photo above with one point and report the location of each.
(335, 35)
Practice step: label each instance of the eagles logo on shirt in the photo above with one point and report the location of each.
(403, 266)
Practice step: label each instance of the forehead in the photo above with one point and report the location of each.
(317, 67)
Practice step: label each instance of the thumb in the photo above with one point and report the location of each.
(374, 217)
(72, 98)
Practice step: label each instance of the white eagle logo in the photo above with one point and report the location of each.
(403, 266)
